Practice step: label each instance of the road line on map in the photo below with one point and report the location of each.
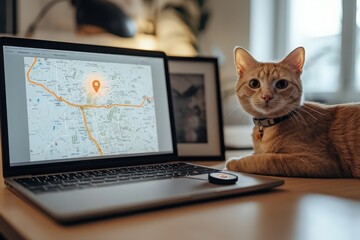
(89, 133)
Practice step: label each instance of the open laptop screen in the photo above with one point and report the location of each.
(73, 105)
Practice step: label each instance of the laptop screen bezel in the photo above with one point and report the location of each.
(42, 168)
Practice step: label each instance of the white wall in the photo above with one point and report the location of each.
(228, 27)
(28, 10)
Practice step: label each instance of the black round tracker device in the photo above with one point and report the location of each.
(223, 178)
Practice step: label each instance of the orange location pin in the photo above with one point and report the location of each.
(96, 85)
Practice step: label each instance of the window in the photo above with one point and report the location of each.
(318, 29)
(329, 31)
(357, 75)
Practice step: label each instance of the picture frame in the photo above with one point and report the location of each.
(195, 89)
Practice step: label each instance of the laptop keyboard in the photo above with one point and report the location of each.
(105, 177)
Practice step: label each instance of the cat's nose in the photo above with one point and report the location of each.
(267, 98)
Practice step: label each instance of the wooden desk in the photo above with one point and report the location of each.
(300, 209)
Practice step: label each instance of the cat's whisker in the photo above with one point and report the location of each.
(287, 109)
(292, 117)
(295, 116)
(237, 113)
(234, 111)
(307, 112)
(295, 119)
(314, 110)
(302, 118)
(299, 119)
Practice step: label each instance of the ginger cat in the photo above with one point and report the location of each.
(292, 137)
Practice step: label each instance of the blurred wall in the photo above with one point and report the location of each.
(228, 26)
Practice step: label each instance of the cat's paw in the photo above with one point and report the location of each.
(239, 165)
(232, 164)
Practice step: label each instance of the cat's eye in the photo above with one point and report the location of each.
(254, 83)
(281, 84)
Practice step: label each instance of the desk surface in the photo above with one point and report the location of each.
(300, 209)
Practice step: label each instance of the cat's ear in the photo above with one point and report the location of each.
(295, 60)
(243, 61)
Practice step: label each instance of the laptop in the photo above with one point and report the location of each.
(87, 132)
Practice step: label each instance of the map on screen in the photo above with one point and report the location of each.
(86, 108)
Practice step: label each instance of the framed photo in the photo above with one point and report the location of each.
(195, 92)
